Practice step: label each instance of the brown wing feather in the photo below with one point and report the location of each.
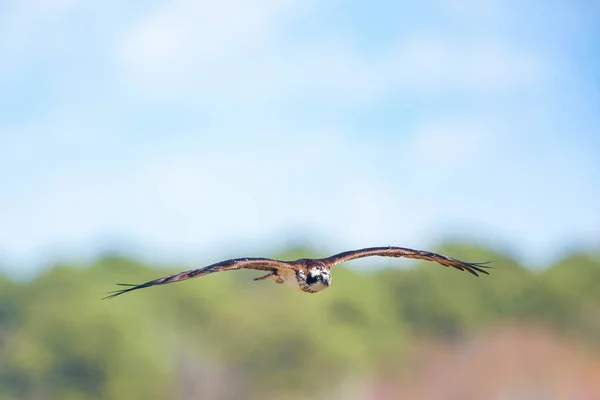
(391, 251)
(263, 264)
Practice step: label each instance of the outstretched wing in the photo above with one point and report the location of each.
(408, 253)
(262, 264)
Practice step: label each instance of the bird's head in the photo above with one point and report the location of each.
(318, 278)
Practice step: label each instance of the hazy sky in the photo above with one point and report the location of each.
(189, 130)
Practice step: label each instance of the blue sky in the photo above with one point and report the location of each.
(189, 130)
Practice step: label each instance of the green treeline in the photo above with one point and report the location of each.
(227, 334)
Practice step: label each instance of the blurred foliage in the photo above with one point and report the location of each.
(226, 334)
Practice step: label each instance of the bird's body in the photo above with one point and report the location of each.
(307, 274)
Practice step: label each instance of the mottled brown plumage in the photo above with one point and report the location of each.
(307, 274)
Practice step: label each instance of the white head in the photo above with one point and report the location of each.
(318, 278)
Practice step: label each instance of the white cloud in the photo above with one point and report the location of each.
(478, 11)
(434, 63)
(245, 55)
(188, 42)
(452, 144)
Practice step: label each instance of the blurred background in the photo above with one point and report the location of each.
(139, 139)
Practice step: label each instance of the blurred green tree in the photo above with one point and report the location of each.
(58, 340)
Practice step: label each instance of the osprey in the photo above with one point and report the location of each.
(310, 275)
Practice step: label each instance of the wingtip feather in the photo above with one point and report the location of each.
(473, 268)
(116, 293)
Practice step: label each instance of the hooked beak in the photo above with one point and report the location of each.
(327, 281)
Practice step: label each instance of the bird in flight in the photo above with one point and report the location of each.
(310, 275)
